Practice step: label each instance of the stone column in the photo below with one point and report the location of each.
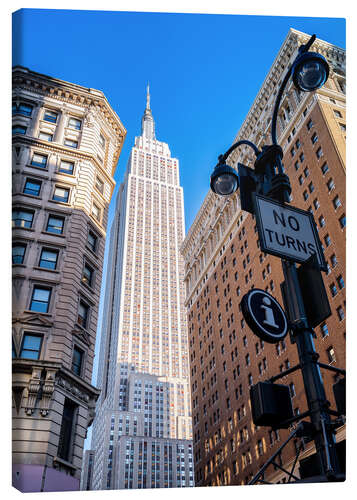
(33, 129)
(60, 126)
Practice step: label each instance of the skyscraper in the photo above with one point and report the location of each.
(224, 261)
(66, 144)
(143, 367)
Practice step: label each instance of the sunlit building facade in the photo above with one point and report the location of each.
(144, 346)
(66, 144)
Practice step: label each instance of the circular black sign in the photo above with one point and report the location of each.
(264, 315)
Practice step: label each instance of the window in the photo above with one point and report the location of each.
(297, 144)
(336, 202)
(342, 221)
(101, 140)
(22, 218)
(324, 168)
(70, 143)
(88, 274)
(40, 299)
(337, 113)
(292, 152)
(316, 203)
(340, 313)
(296, 165)
(305, 195)
(306, 172)
(48, 259)
(302, 157)
(333, 260)
(292, 390)
(61, 194)
(322, 221)
(77, 360)
(74, 123)
(39, 160)
(45, 136)
(18, 253)
(50, 116)
(314, 138)
(99, 184)
(342, 127)
(301, 179)
(83, 313)
(333, 289)
(66, 167)
(327, 240)
(311, 187)
(324, 330)
(32, 187)
(55, 224)
(330, 185)
(319, 152)
(309, 124)
(92, 241)
(96, 211)
(340, 282)
(31, 346)
(331, 354)
(65, 437)
(19, 129)
(22, 109)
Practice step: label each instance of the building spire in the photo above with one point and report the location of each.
(148, 96)
(147, 121)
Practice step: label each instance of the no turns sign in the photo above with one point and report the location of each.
(287, 232)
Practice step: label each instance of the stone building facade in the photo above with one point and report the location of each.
(223, 261)
(66, 144)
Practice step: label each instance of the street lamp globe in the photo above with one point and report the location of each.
(224, 180)
(310, 71)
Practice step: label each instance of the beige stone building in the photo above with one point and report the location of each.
(66, 143)
(223, 261)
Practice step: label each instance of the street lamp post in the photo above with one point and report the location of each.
(309, 72)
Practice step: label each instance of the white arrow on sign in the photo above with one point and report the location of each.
(287, 232)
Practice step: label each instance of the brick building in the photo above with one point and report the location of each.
(223, 261)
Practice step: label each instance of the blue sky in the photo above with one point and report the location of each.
(204, 72)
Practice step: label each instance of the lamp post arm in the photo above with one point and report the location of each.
(305, 48)
(277, 104)
(302, 49)
(222, 158)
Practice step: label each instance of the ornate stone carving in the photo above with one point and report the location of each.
(73, 389)
(47, 391)
(33, 388)
(88, 119)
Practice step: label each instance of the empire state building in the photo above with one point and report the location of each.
(142, 430)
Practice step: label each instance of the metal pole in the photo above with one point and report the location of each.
(314, 388)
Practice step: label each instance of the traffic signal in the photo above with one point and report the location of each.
(271, 404)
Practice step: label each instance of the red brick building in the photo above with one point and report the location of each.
(223, 262)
